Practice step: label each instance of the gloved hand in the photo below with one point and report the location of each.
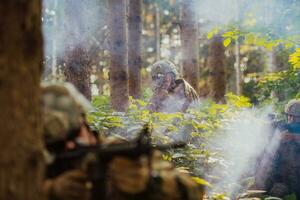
(130, 176)
(72, 185)
(157, 99)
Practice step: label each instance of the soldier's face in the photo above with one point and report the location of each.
(162, 81)
(84, 138)
(293, 119)
(290, 118)
(158, 81)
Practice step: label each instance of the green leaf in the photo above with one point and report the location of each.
(250, 38)
(210, 35)
(228, 34)
(201, 181)
(227, 42)
(213, 32)
(290, 197)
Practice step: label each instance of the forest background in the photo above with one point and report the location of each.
(242, 58)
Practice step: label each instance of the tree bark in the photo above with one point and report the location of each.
(217, 73)
(21, 56)
(157, 32)
(77, 60)
(272, 60)
(100, 79)
(189, 42)
(77, 70)
(134, 48)
(54, 45)
(118, 75)
(237, 66)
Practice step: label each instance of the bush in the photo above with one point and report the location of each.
(195, 127)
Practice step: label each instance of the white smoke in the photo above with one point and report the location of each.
(241, 143)
(68, 24)
(276, 16)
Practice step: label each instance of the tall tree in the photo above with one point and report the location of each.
(118, 76)
(54, 43)
(100, 79)
(189, 42)
(157, 31)
(21, 55)
(134, 47)
(78, 70)
(272, 60)
(217, 73)
(237, 64)
(77, 61)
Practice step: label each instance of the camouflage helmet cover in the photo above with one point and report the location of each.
(163, 67)
(293, 107)
(62, 107)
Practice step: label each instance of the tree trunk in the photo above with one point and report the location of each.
(237, 66)
(134, 48)
(77, 70)
(118, 77)
(54, 45)
(21, 56)
(272, 60)
(77, 60)
(100, 79)
(157, 32)
(217, 73)
(189, 42)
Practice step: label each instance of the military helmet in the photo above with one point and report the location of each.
(293, 107)
(163, 67)
(62, 107)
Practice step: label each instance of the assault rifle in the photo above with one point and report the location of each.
(275, 122)
(95, 159)
(287, 131)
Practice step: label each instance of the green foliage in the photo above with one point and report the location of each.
(220, 197)
(102, 118)
(295, 59)
(275, 88)
(238, 101)
(227, 42)
(213, 32)
(196, 127)
(201, 181)
(261, 38)
(290, 197)
(249, 88)
(283, 85)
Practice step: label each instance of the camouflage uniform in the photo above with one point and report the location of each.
(174, 97)
(166, 183)
(279, 172)
(62, 106)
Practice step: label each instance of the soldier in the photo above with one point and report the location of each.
(64, 120)
(169, 93)
(279, 172)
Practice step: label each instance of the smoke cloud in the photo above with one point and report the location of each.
(68, 24)
(275, 16)
(241, 143)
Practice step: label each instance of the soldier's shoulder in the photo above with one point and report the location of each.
(189, 188)
(189, 90)
(175, 180)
